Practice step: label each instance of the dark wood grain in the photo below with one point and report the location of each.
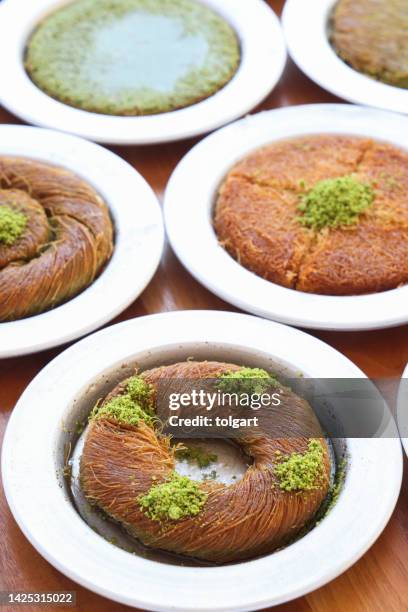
(378, 582)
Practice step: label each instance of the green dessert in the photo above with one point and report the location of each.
(132, 57)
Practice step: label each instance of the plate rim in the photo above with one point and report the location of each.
(87, 311)
(218, 271)
(195, 326)
(245, 91)
(316, 58)
(400, 408)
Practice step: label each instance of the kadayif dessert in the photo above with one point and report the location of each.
(128, 470)
(56, 235)
(325, 214)
(371, 36)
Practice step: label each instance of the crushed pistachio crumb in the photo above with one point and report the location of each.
(246, 380)
(12, 225)
(210, 475)
(67, 471)
(79, 426)
(197, 455)
(335, 202)
(130, 408)
(337, 485)
(302, 472)
(141, 392)
(175, 499)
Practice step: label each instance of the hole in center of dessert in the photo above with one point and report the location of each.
(215, 460)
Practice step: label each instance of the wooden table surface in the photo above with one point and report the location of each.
(379, 581)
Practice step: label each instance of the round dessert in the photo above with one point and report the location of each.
(324, 214)
(132, 57)
(55, 236)
(371, 36)
(128, 469)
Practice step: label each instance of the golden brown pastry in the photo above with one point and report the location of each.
(371, 36)
(121, 463)
(64, 239)
(259, 221)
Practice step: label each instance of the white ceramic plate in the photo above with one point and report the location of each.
(402, 410)
(138, 242)
(190, 197)
(305, 26)
(33, 453)
(263, 61)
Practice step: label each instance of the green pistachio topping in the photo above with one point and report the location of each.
(12, 225)
(247, 380)
(213, 476)
(141, 392)
(196, 455)
(337, 486)
(129, 408)
(175, 499)
(302, 472)
(335, 202)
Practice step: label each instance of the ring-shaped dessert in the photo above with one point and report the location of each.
(128, 470)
